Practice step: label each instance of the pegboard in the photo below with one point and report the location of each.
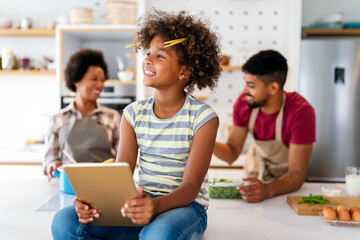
(244, 27)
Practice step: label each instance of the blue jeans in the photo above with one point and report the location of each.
(187, 222)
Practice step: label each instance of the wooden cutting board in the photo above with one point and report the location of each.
(306, 209)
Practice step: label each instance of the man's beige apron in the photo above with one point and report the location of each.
(267, 160)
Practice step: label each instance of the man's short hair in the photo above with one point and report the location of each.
(269, 66)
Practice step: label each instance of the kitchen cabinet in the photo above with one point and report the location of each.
(110, 39)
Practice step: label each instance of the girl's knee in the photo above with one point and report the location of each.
(65, 221)
(158, 232)
(161, 231)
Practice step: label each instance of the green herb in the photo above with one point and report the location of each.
(219, 191)
(317, 199)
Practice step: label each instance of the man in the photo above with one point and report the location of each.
(281, 123)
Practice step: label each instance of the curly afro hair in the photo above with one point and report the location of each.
(79, 63)
(200, 52)
(268, 65)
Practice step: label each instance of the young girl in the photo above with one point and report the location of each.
(174, 131)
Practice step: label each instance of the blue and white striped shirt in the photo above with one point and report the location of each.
(165, 143)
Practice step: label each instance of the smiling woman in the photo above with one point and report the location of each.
(85, 129)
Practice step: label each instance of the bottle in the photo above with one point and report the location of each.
(7, 59)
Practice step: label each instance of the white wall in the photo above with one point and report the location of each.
(44, 10)
(26, 102)
(245, 27)
(315, 9)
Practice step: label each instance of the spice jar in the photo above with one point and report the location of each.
(23, 63)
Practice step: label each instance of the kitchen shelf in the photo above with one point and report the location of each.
(27, 72)
(27, 33)
(330, 32)
(117, 81)
(229, 68)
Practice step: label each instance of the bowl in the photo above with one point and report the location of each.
(224, 190)
(336, 17)
(125, 76)
(65, 185)
(5, 22)
(330, 191)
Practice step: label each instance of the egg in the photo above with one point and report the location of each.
(330, 214)
(343, 215)
(353, 209)
(325, 209)
(339, 207)
(356, 216)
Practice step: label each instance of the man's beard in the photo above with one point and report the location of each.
(255, 104)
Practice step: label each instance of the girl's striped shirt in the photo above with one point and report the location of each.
(164, 144)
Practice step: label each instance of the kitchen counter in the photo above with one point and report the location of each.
(272, 219)
(27, 154)
(24, 189)
(33, 154)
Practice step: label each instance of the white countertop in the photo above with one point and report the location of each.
(34, 154)
(24, 188)
(26, 154)
(272, 219)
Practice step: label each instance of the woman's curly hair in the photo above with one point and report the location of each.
(79, 64)
(200, 51)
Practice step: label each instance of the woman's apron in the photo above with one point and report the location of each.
(86, 140)
(267, 160)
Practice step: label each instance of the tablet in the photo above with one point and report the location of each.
(104, 186)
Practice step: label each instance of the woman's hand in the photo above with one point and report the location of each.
(52, 167)
(140, 210)
(84, 212)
